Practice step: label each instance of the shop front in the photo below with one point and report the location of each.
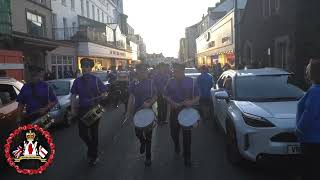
(104, 56)
(217, 43)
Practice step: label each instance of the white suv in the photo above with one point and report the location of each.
(256, 108)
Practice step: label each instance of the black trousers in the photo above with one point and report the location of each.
(175, 132)
(162, 108)
(206, 107)
(311, 160)
(145, 136)
(90, 135)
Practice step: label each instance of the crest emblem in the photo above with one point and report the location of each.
(29, 146)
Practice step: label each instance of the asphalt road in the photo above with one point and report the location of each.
(120, 158)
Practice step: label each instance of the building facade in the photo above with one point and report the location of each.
(218, 43)
(291, 44)
(30, 33)
(96, 28)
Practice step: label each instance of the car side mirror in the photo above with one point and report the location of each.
(222, 95)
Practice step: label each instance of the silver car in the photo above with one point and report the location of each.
(61, 112)
(192, 72)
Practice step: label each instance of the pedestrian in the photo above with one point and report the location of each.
(181, 92)
(143, 94)
(3, 73)
(37, 97)
(160, 79)
(308, 123)
(226, 67)
(217, 71)
(87, 87)
(205, 83)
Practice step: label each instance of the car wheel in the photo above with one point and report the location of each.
(67, 118)
(232, 150)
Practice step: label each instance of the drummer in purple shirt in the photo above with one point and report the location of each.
(143, 94)
(87, 87)
(36, 96)
(181, 92)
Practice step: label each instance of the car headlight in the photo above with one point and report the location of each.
(256, 121)
(56, 107)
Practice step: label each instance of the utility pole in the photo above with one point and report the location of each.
(237, 34)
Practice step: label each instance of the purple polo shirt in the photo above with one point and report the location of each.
(160, 81)
(142, 91)
(87, 87)
(40, 97)
(182, 90)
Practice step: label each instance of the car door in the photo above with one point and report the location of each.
(223, 104)
(216, 102)
(8, 110)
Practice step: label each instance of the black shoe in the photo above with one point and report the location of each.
(142, 148)
(147, 162)
(187, 163)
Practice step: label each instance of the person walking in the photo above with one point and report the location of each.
(87, 87)
(308, 123)
(205, 83)
(181, 92)
(143, 94)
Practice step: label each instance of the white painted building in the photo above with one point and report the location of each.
(92, 26)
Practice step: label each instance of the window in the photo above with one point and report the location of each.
(102, 17)
(98, 11)
(107, 7)
(65, 29)
(82, 8)
(93, 13)
(54, 20)
(63, 2)
(266, 8)
(74, 24)
(72, 4)
(36, 25)
(7, 94)
(107, 19)
(88, 10)
(61, 65)
(277, 5)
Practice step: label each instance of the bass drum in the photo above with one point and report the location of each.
(144, 119)
(188, 118)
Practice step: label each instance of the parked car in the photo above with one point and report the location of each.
(192, 72)
(9, 90)
(256, 109)
(61, 112)
(103, 76)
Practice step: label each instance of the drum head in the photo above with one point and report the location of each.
(188, 117)
(143, 118)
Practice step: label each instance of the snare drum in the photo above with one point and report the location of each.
(144, 119)
(93, 115)
(188, 118)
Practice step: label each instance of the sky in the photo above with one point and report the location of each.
(162, 23)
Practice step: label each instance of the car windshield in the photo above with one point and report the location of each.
(61, 88)
(191, 70)
(102, 76)
(267, 88)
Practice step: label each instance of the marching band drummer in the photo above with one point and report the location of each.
(142, 95)
(87, 87)
(36, 96)
(180, 92)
